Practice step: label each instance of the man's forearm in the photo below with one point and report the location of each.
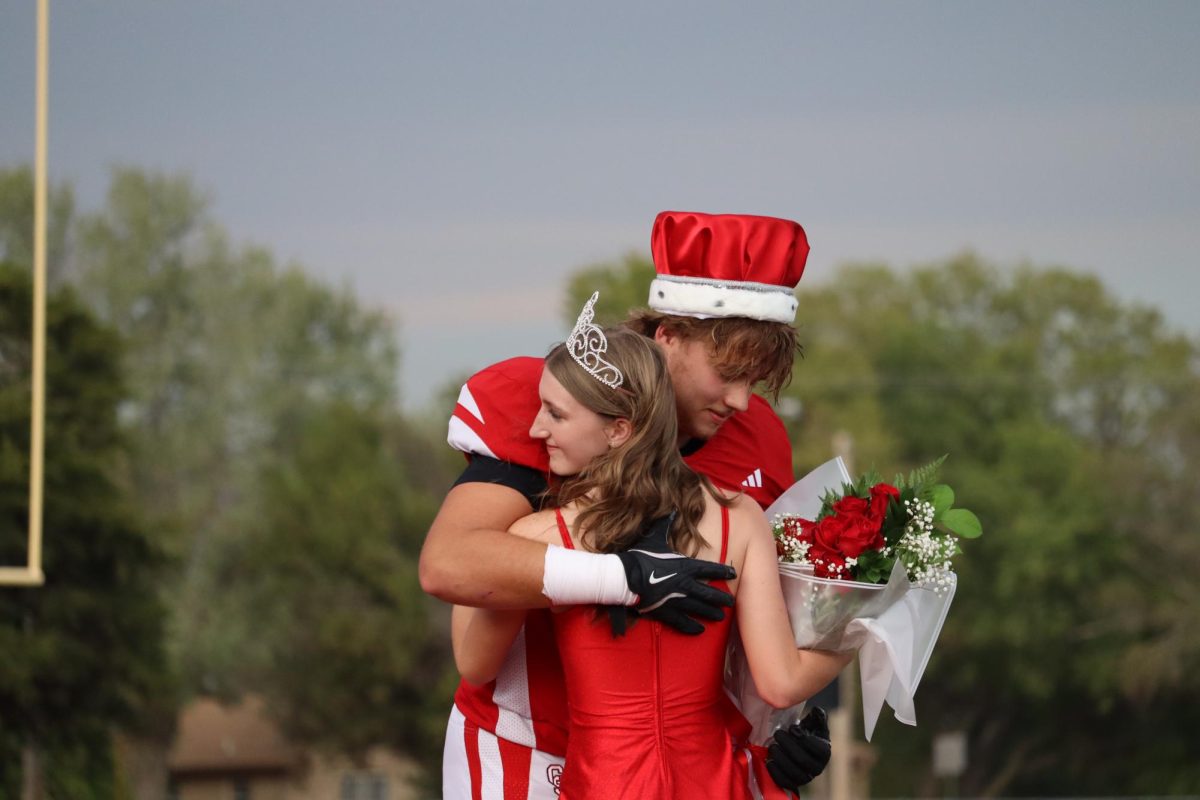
(485, 569)
(510, 575)
(470, 559)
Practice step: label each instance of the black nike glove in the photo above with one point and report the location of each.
(670, 586)
(799, 753)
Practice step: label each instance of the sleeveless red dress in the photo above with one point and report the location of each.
(647, 710)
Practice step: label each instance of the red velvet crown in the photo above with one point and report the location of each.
(726, 265)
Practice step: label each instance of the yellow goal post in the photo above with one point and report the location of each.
(31, 574)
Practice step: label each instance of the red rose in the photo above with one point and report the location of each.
(861, 533)
(826, 563)
(824, 551)
(850, 504)
(882, 495)
(808, 531)
(828, 532)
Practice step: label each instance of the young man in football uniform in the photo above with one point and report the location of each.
(721, 307)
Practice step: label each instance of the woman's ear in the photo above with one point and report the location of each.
(618, 432)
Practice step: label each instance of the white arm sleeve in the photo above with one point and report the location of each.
(573, 577)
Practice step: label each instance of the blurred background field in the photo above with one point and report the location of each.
(253, 348)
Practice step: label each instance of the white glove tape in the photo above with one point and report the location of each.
(573, 577)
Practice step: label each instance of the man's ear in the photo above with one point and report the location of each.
(618, 432)
(665, 337)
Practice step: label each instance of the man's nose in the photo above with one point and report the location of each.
(737, 395)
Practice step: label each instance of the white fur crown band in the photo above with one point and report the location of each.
(707, 297)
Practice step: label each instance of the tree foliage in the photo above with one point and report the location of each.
(1065, 414)
(82, 654)
(622, 286)
(269, 459)
(16, 222)
(224, 353)
(269, 444)
(329, 569)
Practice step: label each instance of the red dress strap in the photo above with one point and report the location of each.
(724, 534)
(564, 532)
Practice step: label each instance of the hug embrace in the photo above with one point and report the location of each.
(607, 537)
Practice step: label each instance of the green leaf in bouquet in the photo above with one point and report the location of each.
(942, 497)
(893, 522)
(830, 497)
(861, 487)
(922, 476)
(963, 523)
(873, 566)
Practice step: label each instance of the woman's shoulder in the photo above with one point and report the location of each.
(540, 526)
(740, 505)
(746, 517)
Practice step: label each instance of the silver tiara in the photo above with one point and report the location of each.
(587, 343)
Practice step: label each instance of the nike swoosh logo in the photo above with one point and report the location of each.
(654, 580)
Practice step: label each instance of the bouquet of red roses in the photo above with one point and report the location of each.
(867, 526)
(853, 525)
(864, 565)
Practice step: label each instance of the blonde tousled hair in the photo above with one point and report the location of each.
(753, 350)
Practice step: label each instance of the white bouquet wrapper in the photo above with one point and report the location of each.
(894, 625)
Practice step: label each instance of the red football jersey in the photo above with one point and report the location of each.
(496, 407)
(751, 452)
(495, 410)
(492, 417)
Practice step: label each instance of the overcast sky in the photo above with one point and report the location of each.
(454, 162)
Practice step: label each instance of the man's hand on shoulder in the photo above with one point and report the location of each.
(671, 587)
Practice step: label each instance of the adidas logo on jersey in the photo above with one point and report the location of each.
(753, 480)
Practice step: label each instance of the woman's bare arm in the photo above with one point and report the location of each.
(482, 637)
(783, 675)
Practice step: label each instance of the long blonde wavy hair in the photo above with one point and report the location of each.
(645, 478)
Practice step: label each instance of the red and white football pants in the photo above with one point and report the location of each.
(477, 765)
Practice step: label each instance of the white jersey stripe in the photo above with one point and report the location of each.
(461, 437)
(511, 696)
(467, 401)
(491, 764)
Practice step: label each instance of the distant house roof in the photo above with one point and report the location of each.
(214, 738)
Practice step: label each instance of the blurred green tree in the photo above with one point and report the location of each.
(1061, 409)
(269, 444)
(244, 382)
(225, 356)
(622, 286)
(16, 222)
(345, 637)
(83, 655)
